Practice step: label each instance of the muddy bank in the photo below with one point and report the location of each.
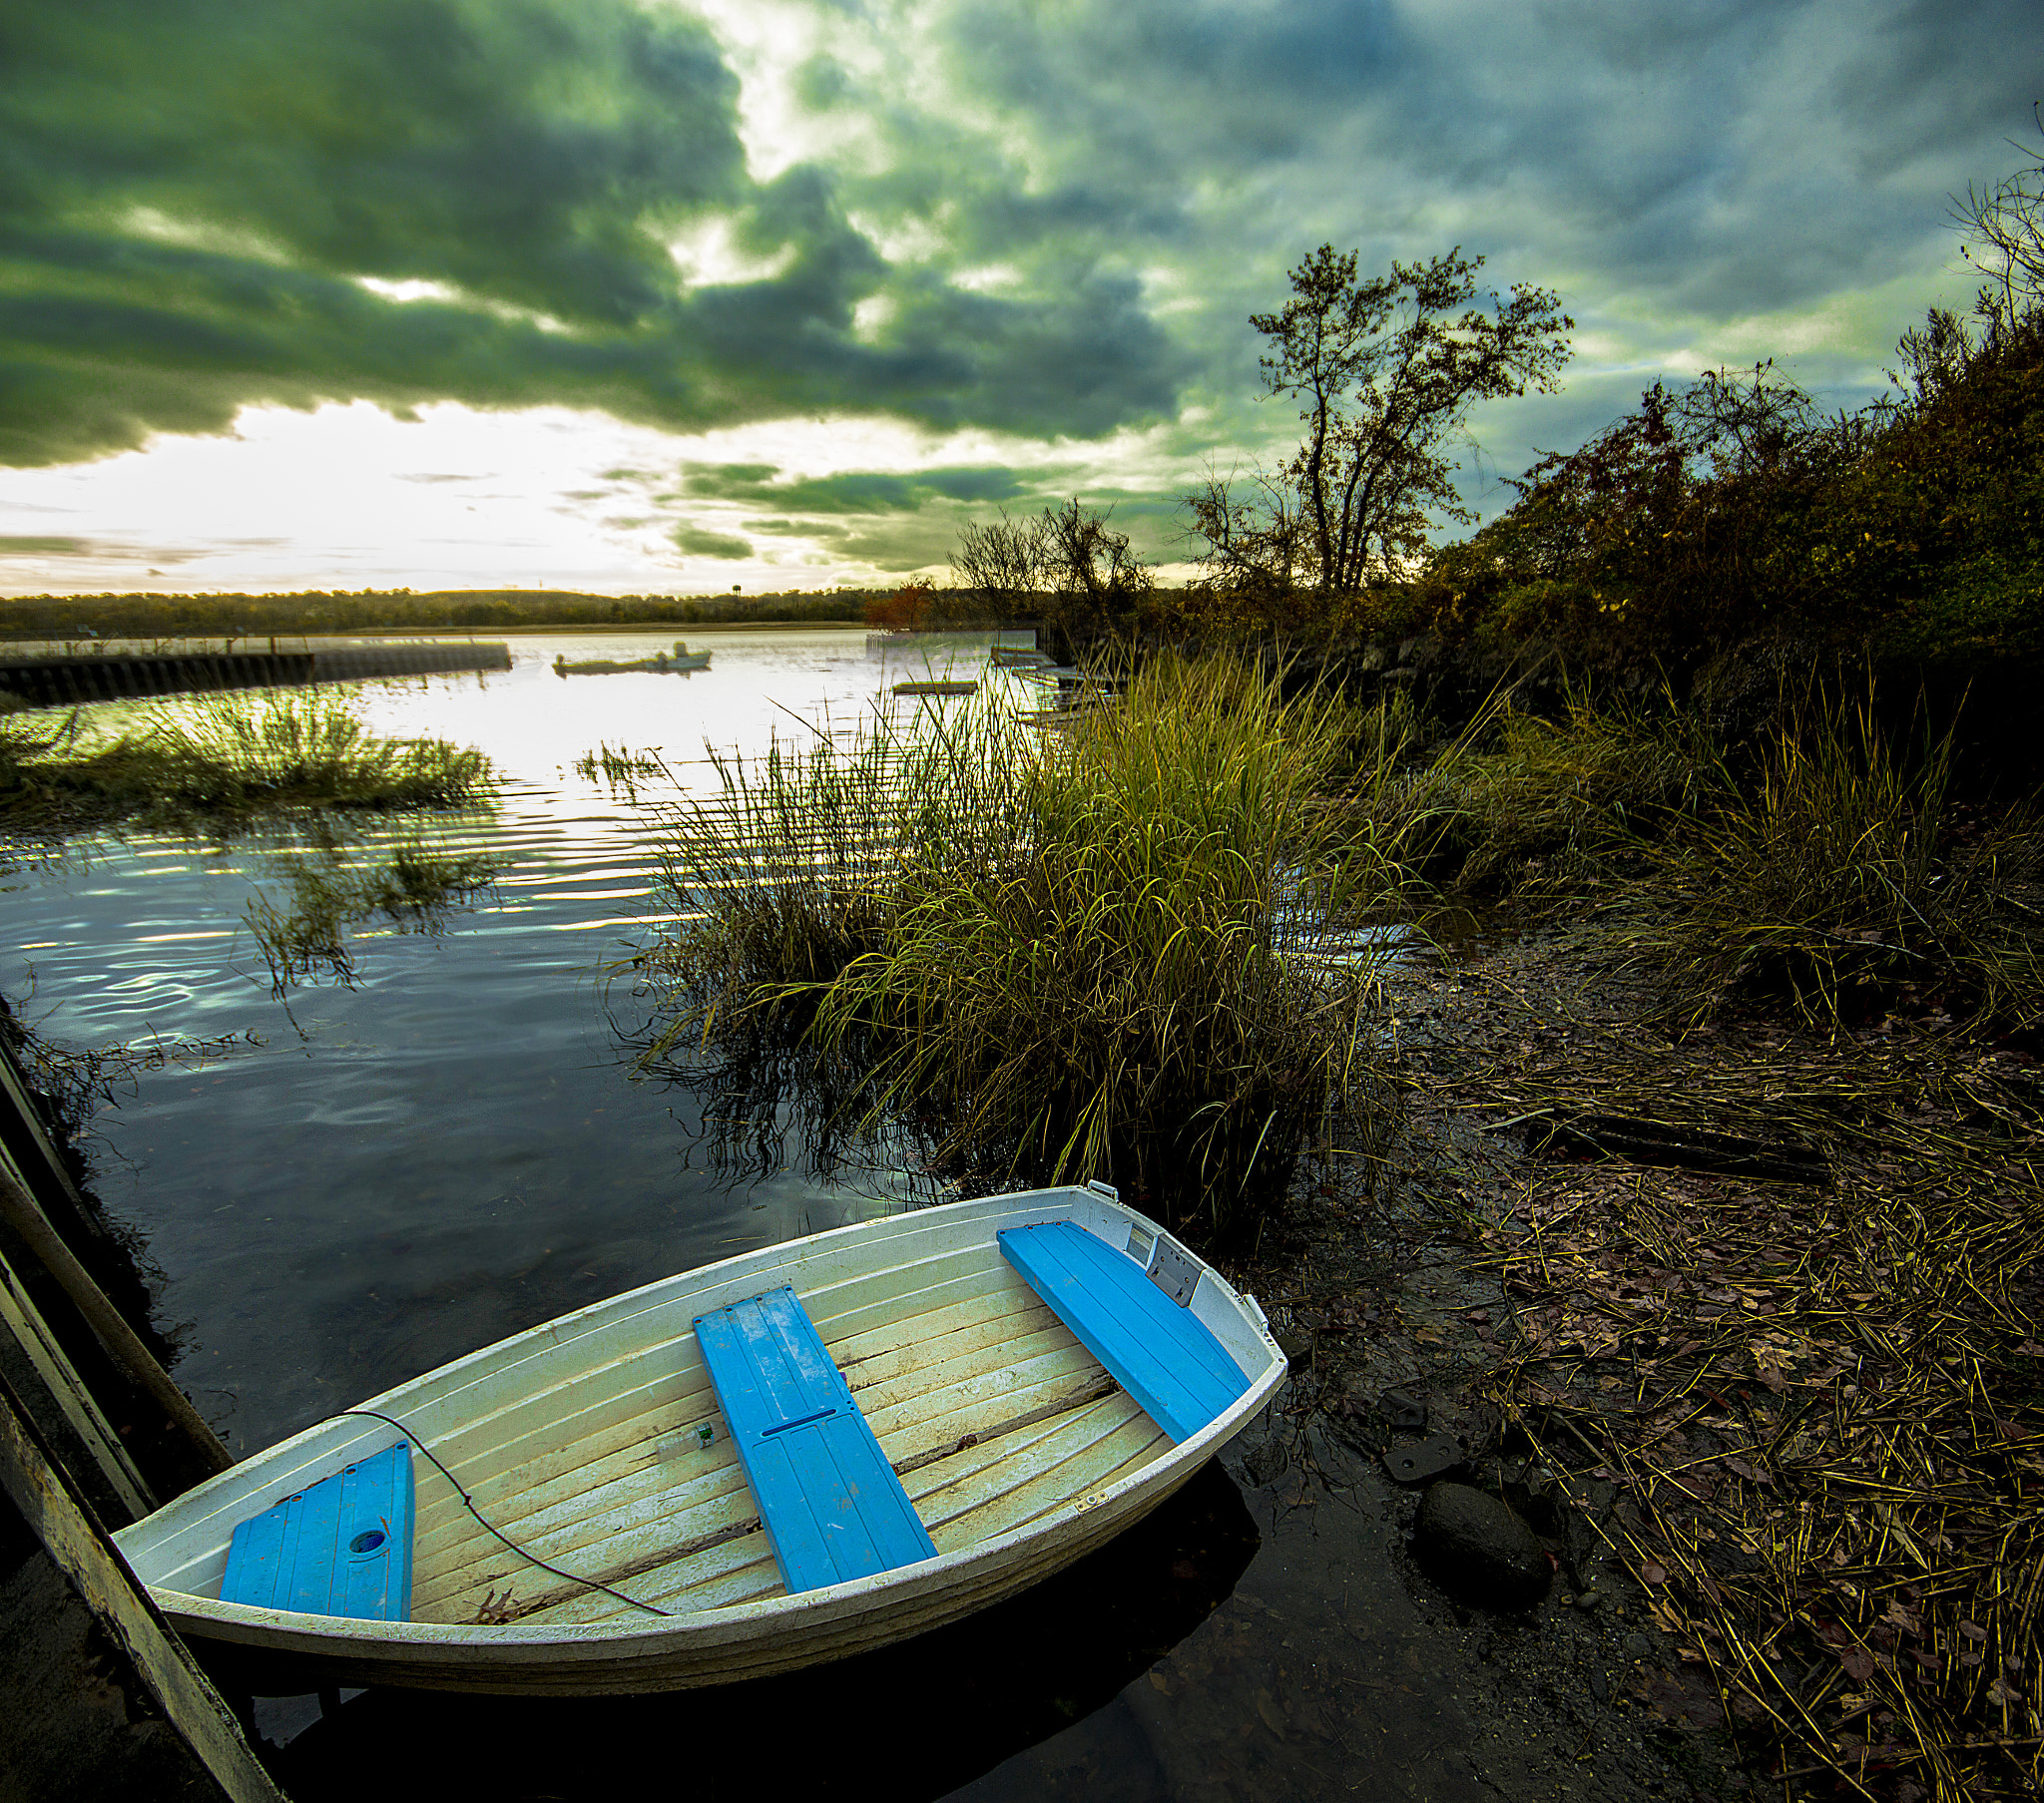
(1778, 1434)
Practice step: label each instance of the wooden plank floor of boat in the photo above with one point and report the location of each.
(985, 1403)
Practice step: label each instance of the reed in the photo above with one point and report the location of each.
(1095, 953)
(619, 766)
(228, 760)
(294, 749)
(1519, 803)
(795, 863)
(1830, 873)
(1131, 984)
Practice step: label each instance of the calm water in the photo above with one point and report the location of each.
(375, 1180)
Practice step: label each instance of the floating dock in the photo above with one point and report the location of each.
(114, 675)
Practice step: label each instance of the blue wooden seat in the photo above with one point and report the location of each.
(341, 1546)
(1160, 1352)
(830, 1502)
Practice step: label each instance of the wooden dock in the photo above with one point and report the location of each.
(102, 1697)
(115, 675)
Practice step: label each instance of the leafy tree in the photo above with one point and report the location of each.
(1385, 369)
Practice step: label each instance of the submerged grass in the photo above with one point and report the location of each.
(1092, 953)
(303, 933)
(224, 760)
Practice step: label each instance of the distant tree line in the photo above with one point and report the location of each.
(216, 615)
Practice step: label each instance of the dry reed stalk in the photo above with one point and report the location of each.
(1825, 1410)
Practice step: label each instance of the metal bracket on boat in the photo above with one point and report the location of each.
(1175, 1271)
(1257, 1308)
(1106, 1190)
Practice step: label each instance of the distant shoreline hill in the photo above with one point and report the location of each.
(155, 616)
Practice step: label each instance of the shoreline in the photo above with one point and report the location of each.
(1675, 1375)
(474, 635)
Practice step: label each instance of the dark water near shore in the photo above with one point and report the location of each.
(354, 1185)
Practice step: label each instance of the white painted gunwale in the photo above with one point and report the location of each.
(615, 1366)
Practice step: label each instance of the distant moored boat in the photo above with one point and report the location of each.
(682, 659)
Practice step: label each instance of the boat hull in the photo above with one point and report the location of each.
(1067, 1461)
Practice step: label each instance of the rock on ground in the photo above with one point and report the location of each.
(1478, 1550)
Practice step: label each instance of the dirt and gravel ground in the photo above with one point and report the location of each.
(1780, 1432)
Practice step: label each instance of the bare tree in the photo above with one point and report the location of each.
(1092, 576)
(1255, 542)
(2004, 231)
(1003, 564)
(1386, 369)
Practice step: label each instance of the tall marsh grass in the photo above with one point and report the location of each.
(795, 863)
(1814, 858)
(1085, 955)
(226, 759)
(1520, 801)
(1828, 870)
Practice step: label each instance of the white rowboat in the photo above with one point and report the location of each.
(599, 1443)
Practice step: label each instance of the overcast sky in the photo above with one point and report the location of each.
(593, 294)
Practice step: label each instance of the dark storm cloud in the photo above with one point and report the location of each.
(702, 543)
(797, 529)
(193, 191)
(1055, 232)
(856, 491)
(911, 520)
(1727, 156)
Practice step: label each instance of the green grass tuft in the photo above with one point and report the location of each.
(1094, 954)
(225, 761)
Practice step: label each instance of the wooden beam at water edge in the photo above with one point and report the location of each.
(69, 1741)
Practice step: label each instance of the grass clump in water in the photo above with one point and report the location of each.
(797, 864)
(1090, 956)
(226, 759)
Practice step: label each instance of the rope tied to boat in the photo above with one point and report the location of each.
(467, 1503)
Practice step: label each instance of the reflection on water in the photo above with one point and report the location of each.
(456, 1148)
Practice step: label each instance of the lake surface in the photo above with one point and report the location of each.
(370, 1181)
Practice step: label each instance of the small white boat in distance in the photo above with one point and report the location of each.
(780, 1459)
(661, 663)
